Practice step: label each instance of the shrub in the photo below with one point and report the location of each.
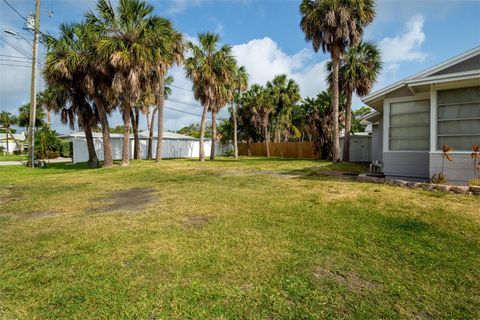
(2, 149)
(65, 149)
(474, 182)
(17, 152)
(439, 178)
(47, 143)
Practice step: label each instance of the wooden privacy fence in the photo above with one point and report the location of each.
(298, 150)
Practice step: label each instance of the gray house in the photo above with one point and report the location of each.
(416, 116)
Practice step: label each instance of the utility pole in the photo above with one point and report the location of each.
(33, 89)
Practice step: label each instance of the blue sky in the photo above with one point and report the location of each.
(266, 38)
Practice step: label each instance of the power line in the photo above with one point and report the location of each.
(184, 102)
(10, 56)
(29, 57)
(21, 16)
(18, 50)
(12, 60)
(16, 11)
(14, 65)
(182, 111)
(174, 86)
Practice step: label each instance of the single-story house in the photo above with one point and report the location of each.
(416, 116)
(174, 146)
(10, 144)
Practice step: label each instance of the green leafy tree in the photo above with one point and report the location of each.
(319, 117)
(47, 143)
(285, 93)
(194, 129)
(24, 116)
(260, 104)
(357, 117)
(333, 26)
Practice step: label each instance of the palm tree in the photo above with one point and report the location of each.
(169, 48)
(24, 116)
(66, 67)
(44, 99)
(335, 25)
(260, 101)
(285, 94)
(318, 119)
(212, 71)
(239, 86)
(167, 91)
(126, 45)
(7, 120)
(358, 71)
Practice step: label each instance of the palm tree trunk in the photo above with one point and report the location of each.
(202, 134)
(92, 156)
(6, 139)
(14, 140)
(147, 115)
(150, 135)
(265, 131)
(235, 137)
(249, 149)
(49, 118)
(136, 145)
(107, 143)
(335, 91)
(214, 135)
(348, 128)
(126, 134)
(160, 102)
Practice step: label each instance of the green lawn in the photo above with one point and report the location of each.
(249, 239)
(13, 157)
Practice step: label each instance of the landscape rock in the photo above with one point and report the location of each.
(414, 184)
(443, 187)
(400, 183)
(427, 186)
(475, 190)
(461, 189)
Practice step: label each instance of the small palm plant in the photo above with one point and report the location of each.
(475, 155)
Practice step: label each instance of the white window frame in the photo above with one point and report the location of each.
(386, 119)
(434, 88)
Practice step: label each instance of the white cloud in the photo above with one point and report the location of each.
(264, 59)
(405, 46)
(178, 6)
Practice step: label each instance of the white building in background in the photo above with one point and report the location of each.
(12, 145)
(174, 146)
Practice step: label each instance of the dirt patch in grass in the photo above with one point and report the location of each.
(134, 199)
(7, 199)
(349, 279)
(196, 221)
(31, 215)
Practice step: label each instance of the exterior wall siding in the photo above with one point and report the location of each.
(407, 164)
(459, 171)
(467, 65)
(377, 142)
